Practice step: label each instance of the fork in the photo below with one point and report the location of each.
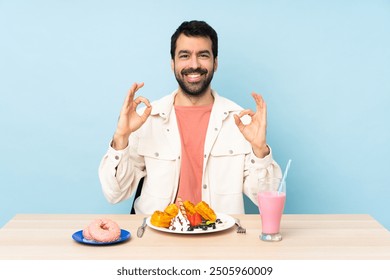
(240, 229)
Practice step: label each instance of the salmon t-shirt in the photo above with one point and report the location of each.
(192, 122)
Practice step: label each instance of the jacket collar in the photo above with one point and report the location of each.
(222, 106)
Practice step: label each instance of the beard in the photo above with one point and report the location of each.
(195, 88)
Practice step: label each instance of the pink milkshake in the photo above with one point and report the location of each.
(271, 206)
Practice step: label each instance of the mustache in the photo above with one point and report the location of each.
(198, 70)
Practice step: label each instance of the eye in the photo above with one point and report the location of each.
(183, 55)
(204, 55)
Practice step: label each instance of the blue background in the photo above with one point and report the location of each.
(323, 68)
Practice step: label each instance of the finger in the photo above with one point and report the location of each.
(262, 107)
(238, 122)
(264, 115)
(258, 100)
(146, 113)
(148, 109)
(130, 95)
(139, 85)
(246, 112)
(135, 87)
(141, 99)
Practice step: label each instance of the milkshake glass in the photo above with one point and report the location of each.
(271, 205)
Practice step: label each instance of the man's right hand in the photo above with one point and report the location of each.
(129, 120)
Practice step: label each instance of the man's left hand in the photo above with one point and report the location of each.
(255, 131)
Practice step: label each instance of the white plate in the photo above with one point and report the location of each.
(226, 223)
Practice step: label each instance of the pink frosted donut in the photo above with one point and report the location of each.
(86, 233)
(104, 230)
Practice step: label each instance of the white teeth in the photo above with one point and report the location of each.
(193, 75)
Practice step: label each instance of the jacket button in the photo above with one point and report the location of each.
(252, 161)
(156, 154)
(205, 186)
(230, 151)
(116, 157)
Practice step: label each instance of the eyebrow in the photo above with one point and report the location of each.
(187, 51)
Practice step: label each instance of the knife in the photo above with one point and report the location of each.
(141, 229)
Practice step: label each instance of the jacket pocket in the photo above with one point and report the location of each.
(160, 165)
(226, 167)
(155, 150)
(230, 150)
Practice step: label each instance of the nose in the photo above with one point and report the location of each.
(194, 62)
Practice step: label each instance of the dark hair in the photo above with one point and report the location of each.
(195, 28)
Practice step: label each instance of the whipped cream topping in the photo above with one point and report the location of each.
(179, 223)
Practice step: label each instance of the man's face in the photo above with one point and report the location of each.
(194, 64)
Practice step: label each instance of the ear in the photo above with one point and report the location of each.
(173, 65)
(215, 64)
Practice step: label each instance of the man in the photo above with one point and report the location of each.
(192, 144)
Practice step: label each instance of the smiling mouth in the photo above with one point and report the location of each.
(194, 75)
(193, 78)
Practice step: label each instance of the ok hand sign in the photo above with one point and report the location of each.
(129, 120)
(255, 131)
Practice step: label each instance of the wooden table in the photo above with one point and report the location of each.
(305, 237)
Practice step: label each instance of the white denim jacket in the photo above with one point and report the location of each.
(230, 168)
